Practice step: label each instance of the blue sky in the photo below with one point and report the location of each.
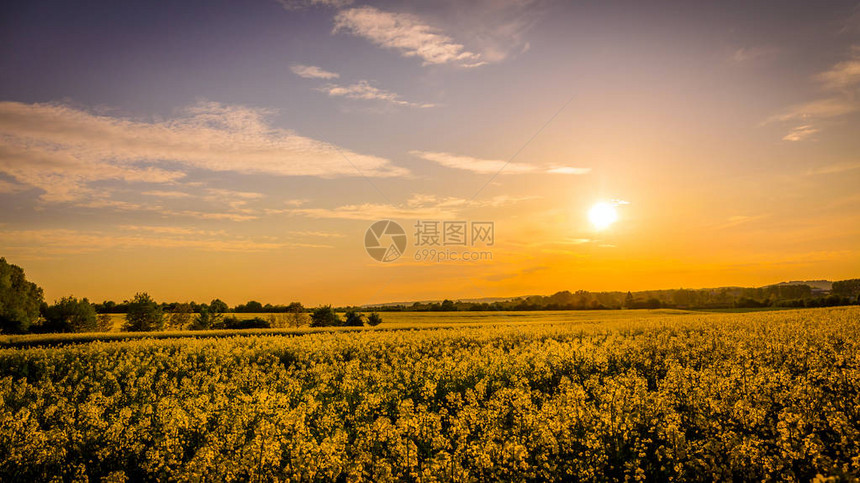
(260, 138)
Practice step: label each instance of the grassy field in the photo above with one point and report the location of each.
(547, 396)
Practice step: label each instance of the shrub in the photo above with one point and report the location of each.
(374, 319)
(206, 319)
(354, 319)
(325, 316)
(71, 315)
(236, 323)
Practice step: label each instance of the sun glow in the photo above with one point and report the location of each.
(602, 215)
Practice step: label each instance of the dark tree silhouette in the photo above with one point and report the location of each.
(354, 319)
(20, 300)
(71, 315)
(374, 319)
(325, 316)
(144, 314)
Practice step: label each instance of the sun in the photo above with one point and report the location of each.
(602, 215)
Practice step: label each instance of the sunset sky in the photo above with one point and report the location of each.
(240, 150)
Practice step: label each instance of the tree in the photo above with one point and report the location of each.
(251, 307)
(847, 288)
(325, 316)
(218, 306)
(628, 301)
(354, 319)
(180, 316)
(233, 323)
(71, 315)
(374, 319)
(104, 323)
(206, 319)
(20, 300)
(298, 317)
(144, 314)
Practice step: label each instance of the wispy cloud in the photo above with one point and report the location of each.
(842, 75)
(61, 149)
(320, 234)
(167, 194)
(842, 83)
(312, 72)
(492, 166)
(364, 91)
(56, 242)
(800, 133)
(300, 4)
(835, 168)
(405, 33)
(818, 109)
(737, 220)
(747, 54)
(418, 207)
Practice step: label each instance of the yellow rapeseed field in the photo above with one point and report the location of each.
(755, 396)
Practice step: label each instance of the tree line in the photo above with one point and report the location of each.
(23, 310)
(845, 292)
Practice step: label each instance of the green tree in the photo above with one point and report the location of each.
(251, 307)
(298, 317)
(628, 301)
(206, 319)
(180, 316)
(218, 306)
(325, 316)
(71, 315)
(374, 319)
(847, 288)
(354, 319)
(144, 314)
(20, 300)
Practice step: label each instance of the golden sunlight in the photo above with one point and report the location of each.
(602, 215)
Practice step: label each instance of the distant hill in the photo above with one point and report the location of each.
(819, 288)
(820, 285)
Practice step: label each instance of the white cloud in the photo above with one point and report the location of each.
(492, 166)
(364, 91)
(818, 109)
(312, 72)
(843, 83)
(405, 33)
(568, 170)
(800, 133)
(842, 75)
(60, 149)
